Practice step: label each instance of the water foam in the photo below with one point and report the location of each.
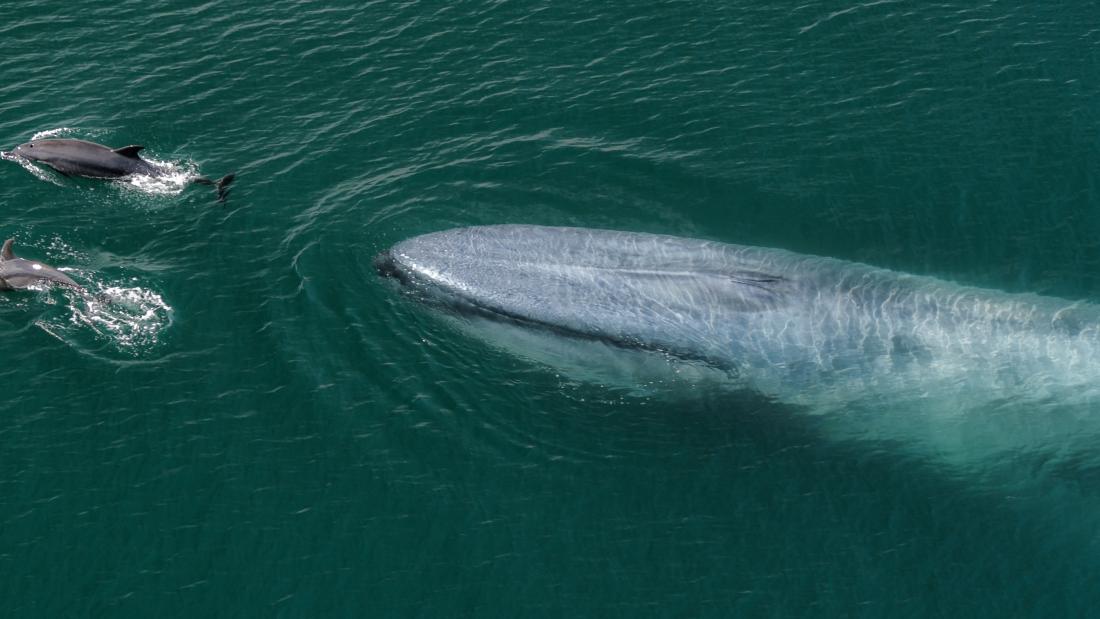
(172, 180)
(111, 318)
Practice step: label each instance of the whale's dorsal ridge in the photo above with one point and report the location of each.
(755, 278)
(754, 291)
(6, 253)
(130, 151)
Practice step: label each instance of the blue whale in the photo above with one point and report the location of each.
(91, 160)
(801, 329)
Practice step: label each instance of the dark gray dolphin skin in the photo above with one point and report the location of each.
(17, 273)
(91, 160)
(801, 329)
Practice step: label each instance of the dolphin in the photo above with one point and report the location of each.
(88, 159)
(17, 273)
(802, 329)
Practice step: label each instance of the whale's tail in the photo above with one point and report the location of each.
(222, 184)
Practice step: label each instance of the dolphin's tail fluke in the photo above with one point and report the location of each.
(222, 184)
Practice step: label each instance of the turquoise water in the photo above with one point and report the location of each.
(259, 426)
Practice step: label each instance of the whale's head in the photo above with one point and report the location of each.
(463, 269)
(645, 290)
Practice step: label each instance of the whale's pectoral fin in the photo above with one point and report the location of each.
(6, 253)
(129, 151)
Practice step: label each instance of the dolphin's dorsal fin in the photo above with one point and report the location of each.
(6, 253)
(129, 151)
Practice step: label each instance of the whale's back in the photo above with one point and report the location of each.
(639, 289)
(792, 325)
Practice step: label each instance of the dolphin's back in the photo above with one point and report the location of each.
(83, 158)
(16, 272)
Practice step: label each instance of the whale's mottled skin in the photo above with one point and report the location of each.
(91, 160)
(17, 273)
(793, 326)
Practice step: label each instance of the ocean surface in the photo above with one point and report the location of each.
(242, 419)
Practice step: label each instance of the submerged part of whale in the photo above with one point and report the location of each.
(1001, 390)
(91, 160)
(16, 272)
(802, 329)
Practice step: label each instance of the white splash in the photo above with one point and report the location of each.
(38, 172)
(52, 133)
(132, 318)
(108, 319)
(172, 179)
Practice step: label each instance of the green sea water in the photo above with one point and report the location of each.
(257, 425)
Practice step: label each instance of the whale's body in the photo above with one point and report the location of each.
(1000, 390)
(88, 159)
(803, 329)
